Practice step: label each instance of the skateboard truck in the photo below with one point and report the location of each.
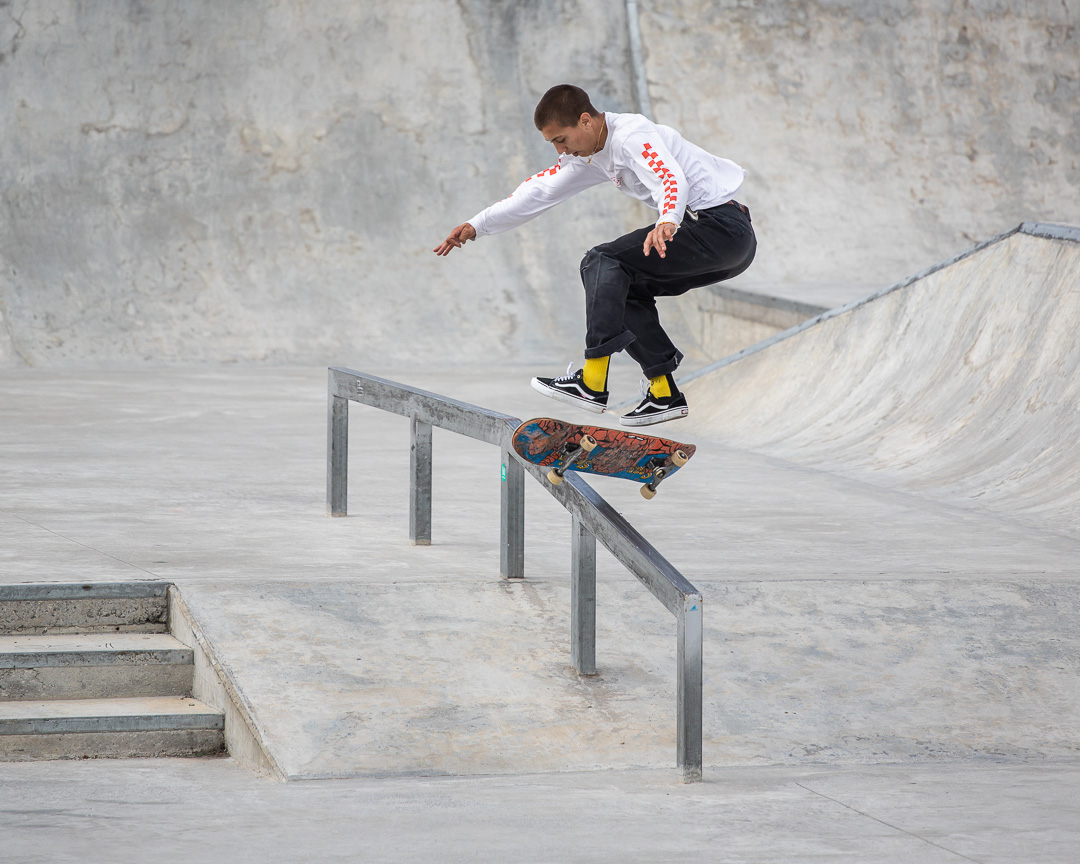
(567, 455)
(661, 470)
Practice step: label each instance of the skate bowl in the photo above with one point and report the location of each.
(900, 466)
(961, 383)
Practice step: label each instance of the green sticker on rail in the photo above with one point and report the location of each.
(503, 473)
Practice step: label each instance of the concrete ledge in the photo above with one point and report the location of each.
(95, 682)
(133, 607)
(1051, 231)
(723, 320)
(90, 590)
(215, 684)
(774, 311)
(153, 714)
(112, 745)
(69, 666)
(130, 649)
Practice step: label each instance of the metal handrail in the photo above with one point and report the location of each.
(593, 519)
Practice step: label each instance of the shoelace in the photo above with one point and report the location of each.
(567, 377)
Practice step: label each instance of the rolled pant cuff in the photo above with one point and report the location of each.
(665, 368)
(612, 346)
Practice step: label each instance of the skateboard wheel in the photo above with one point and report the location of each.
(588, 443)
(554, 478)
(678, 458)
(647, 492)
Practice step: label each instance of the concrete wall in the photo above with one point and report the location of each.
(207, 181)
(881, 137)
(264, 181)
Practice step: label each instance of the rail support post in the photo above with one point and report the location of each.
(337, 454)
(420, 488)
(689, 688)
(512, 519)
(583, 598)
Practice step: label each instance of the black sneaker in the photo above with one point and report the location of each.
(656, 409)
(572, 390)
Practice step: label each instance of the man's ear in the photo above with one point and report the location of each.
(585, 115)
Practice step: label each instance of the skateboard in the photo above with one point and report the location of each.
(564, 447)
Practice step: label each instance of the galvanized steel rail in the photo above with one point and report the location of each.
(593, 519)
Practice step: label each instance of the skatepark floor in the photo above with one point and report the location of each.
(475, 740)
(214, 810)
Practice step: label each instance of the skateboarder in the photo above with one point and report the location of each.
(701, 236)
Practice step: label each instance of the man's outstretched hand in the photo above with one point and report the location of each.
(659, 237)
(457, 238)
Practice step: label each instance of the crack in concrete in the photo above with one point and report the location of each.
(20, 34)
(77, 543)
(889, 824)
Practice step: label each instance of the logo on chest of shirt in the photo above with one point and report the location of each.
(617, 181)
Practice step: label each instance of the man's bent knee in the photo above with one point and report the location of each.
(591, 259)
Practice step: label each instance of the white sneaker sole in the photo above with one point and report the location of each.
(650, 419)
(560, 396)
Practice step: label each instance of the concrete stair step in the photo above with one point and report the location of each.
(151, 713)
(136, 727)
(84, 608)
(92, 666)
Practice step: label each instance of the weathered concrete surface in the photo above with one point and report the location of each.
(95, 681)
(879, 137)
(877, 815)
(161, 713)
(126, 607)
(419, 678)
(154, 744)
(80, 666)
(962, 386)
(261, 181)
(111, 615)
(844, 621)
(724, 320)
(112, 727)
(198, 181)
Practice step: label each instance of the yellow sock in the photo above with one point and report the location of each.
(594, 373)
(660, 386)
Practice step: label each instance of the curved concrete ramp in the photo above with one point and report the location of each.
(962, 383)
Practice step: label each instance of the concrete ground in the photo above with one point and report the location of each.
(214, 810)
(888, 678)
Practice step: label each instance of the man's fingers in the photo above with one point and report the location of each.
(454, 241)
(655, 240)
(658, 239)
(458, 238)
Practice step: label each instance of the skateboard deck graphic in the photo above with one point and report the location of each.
(563, 447)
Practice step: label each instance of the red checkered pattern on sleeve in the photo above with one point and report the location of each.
(671, 188)
(547, 172)
(550, 172)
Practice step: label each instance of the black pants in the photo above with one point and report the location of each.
(621, 284)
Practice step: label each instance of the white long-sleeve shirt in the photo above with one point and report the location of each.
(647, 161)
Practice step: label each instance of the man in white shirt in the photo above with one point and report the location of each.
(701, 236)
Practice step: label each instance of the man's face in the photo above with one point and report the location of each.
(579, 140)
